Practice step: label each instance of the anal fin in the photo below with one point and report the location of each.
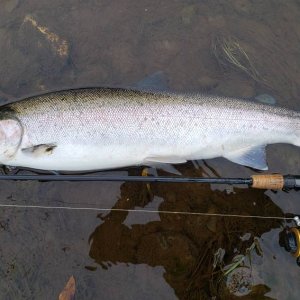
(253, 157)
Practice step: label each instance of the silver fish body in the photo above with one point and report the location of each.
(103, 128)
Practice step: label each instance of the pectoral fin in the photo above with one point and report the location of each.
(39, 150)
(164, 163)
(253, 157)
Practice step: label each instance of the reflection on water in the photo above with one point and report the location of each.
(238, 48)
(184, 245)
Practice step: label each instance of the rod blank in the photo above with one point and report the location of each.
(127, 179)
(264, 181)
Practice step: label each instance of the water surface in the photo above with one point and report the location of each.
(53, 45)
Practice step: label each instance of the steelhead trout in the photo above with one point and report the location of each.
(105, 128)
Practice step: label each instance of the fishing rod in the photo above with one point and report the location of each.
(289, 238)
(263, 181)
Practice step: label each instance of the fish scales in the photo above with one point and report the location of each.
(93, 129)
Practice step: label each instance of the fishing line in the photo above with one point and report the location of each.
(145, 211)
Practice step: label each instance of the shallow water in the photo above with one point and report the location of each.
(52, 45)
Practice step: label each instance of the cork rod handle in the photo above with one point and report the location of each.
(268, 181)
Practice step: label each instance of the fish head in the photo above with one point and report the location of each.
(11, 133)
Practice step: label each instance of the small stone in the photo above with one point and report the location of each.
(207, 82)
(187, 14)
(266, 99)
(239, 281)
(234, 86)
(10, 5)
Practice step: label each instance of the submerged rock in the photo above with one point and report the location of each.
(266, 99)
(239, 281)
(188, 13)
(10, 5)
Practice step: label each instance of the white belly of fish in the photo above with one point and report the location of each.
(137, 144)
